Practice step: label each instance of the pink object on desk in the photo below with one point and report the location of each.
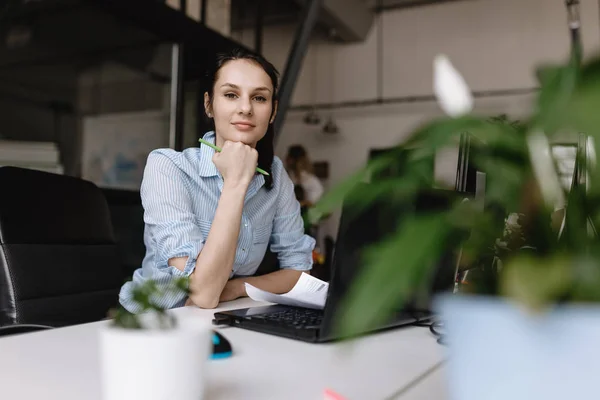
(331, 395)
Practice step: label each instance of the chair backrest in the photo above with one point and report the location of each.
(127, 219)
(58, 258)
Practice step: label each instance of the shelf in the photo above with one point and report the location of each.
(128, 31)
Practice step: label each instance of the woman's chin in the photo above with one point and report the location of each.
(247, 141)
(248, 138)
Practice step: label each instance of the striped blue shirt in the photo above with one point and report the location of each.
(180, 192)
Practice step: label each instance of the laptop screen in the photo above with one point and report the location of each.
(360, 229)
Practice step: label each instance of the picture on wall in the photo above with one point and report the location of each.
(116, 147)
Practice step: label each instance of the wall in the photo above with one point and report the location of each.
(28, 98)
(112, 88)
(114, 92)
(495, 44)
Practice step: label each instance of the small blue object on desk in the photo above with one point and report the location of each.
(221, 347)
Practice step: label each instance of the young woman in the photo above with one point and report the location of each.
(209, 215)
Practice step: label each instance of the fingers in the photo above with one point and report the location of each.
(234, 145)
(236, 162)
(239, 146)
(238, 151)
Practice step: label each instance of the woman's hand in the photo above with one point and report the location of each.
(237, 163)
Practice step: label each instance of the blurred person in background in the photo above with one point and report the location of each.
(299, 168)
(309, 190)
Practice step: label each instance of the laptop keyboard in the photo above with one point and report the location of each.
(296, 317)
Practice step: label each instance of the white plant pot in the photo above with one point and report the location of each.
(154, 364)
(499, 351)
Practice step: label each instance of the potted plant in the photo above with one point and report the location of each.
(530, 331)
(152, 355)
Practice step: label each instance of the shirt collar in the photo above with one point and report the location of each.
(207, 167)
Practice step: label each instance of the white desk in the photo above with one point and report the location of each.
(432, 385)
(62, 364)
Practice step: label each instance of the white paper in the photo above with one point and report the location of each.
(308, 292)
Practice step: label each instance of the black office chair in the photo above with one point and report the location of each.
(269, 264)
(58, 259)
(127, 219)
(17, 329)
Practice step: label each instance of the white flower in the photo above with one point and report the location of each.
(544, 169)
(512, 220)
(451, 90)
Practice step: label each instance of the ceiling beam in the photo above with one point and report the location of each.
(387, 5)
(351, 20)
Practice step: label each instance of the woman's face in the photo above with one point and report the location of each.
(242, 102)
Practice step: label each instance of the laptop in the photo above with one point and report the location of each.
(357, 230)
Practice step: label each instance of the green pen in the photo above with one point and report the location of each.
(216, 148)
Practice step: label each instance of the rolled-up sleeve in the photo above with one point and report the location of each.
(171, 230)
(288, 240)
(170, 221)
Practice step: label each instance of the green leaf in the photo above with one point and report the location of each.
(537, 282)
(125, 319)
(485, 228)
(504, 183)
(580, 112)
(145, 295)
(548, 74)
(440, 133)
(558, 86)
(334, 198)
(400, 189)
(422, 147)
(182, 284)
(587, 277)
(392, 270)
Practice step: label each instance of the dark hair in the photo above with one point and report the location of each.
(265, 146)
(297, 157)
(296, 152)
